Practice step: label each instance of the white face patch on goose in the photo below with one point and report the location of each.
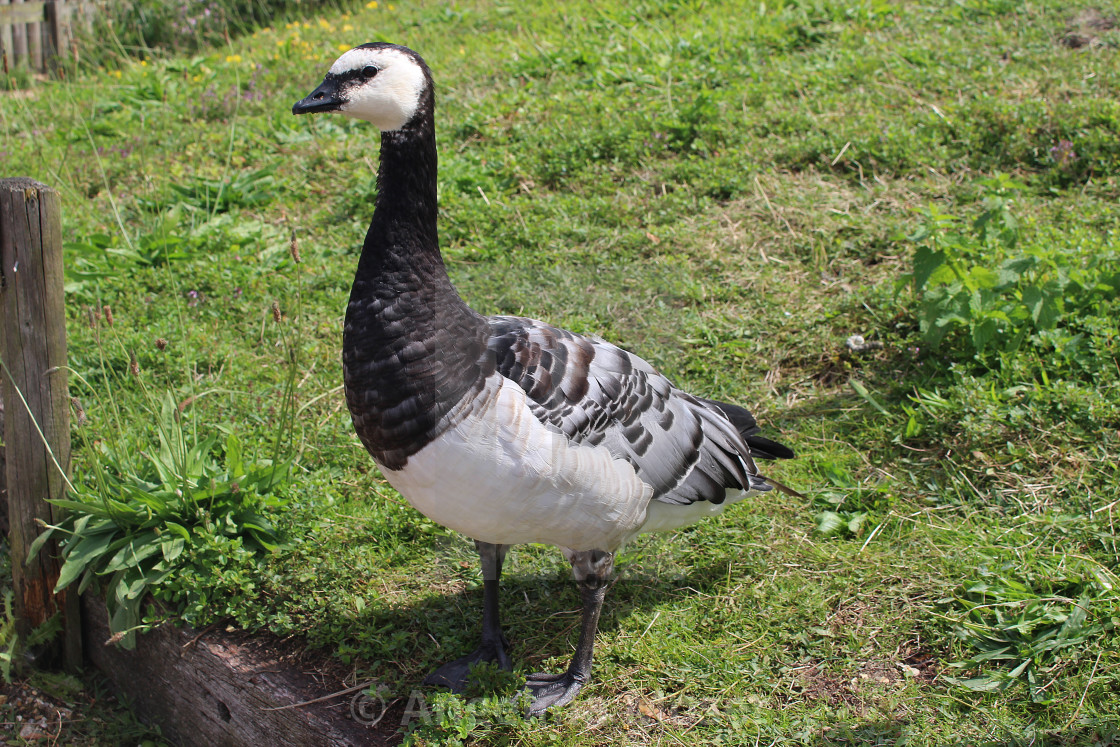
(390, 97)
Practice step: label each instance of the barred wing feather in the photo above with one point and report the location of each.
(595, 393)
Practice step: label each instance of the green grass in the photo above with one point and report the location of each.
(727, 190)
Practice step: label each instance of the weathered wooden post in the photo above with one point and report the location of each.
(3, 473)
(37, 403)
(58, 43)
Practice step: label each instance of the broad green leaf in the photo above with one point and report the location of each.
(943, 275)
(233, 456)
(39, 541)
(829, 523)
(78, 559)
(926, 260)
(982, 277)
(126, 616)
(913, 427)
(979, 684)
(1033, 298)
(172, 548)
(1049, 312)
(178, 529)
(134, 552)
(81, 507)
(983, 333)
(1011, 270)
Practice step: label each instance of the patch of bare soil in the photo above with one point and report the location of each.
(659, 712)
(31, 715)
(865, 685)
(59, 710)
(1087, 29)
(920, 664)
(814, 683)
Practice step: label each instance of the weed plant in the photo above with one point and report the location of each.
(975, 283)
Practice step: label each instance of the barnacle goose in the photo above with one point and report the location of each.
(506, 429)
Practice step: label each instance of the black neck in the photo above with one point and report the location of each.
(403, 240)
(412, 348)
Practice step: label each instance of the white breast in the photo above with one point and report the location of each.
(501, 476)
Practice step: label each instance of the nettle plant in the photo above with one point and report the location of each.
(975, 283)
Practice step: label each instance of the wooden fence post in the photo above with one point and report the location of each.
(36, 33)
(19, 37)
(3, 473)
(57, 43)
(37, 403)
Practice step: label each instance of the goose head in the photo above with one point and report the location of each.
(384, 84)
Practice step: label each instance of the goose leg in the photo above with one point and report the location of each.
(592, 570)
(456, 674)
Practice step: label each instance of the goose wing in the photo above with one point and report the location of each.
(686, 448)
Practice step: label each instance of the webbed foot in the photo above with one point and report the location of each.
(456, 675)
(551, 690)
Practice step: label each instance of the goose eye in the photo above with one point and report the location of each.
(369, 71)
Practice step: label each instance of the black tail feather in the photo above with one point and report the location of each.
(748, 428)
(765, 448)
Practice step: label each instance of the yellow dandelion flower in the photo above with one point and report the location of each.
(391, 6)
(233, 58)
(372, 4)
(347, 27)
(279, 42)
(324, 24)
(343, 47)
(143, 63)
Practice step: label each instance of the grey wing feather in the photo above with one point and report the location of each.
(596, 393)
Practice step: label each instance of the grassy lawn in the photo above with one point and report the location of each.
(730, 190)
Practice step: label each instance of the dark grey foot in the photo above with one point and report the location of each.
(551, 690)
(456, 675)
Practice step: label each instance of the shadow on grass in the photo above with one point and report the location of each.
(540, 609)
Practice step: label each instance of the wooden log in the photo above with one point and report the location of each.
(37, 415)
(233, 689)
